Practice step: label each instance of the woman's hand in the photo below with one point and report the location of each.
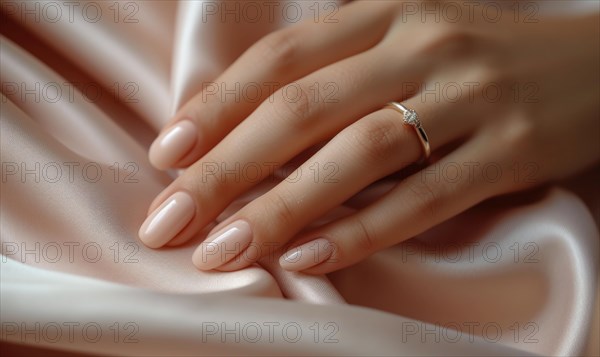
(507, 104)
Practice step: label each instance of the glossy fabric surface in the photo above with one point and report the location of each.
(81, 102)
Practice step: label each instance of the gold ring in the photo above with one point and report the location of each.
(412, 118)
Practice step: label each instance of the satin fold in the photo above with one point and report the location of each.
(514, 276)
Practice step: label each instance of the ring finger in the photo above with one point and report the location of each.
(371, 148)
(297, 118)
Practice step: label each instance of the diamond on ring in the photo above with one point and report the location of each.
(411, 117)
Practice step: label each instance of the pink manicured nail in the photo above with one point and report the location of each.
(167, 220)
(171, 145)
(307, 255)
(223, 246)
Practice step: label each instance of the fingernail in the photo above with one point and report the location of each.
(173, 144)
(223, 246)
(167, 220)
(307, 255)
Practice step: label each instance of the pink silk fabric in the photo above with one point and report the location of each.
(81, 102)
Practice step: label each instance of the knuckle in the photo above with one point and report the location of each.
(450, 39)
(205, 191)
(377, 140)
(523, 142)
(516, 131)
(426, 199)
(278, 206)
(495, 82)
(366, 240)
(490, 83)
(293, 104)
(278, 49)
(207, 179)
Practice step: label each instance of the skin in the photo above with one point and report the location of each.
(542, 127)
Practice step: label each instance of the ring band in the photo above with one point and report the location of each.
(412, 118)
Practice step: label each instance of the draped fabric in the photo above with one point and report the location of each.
(85, 89)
